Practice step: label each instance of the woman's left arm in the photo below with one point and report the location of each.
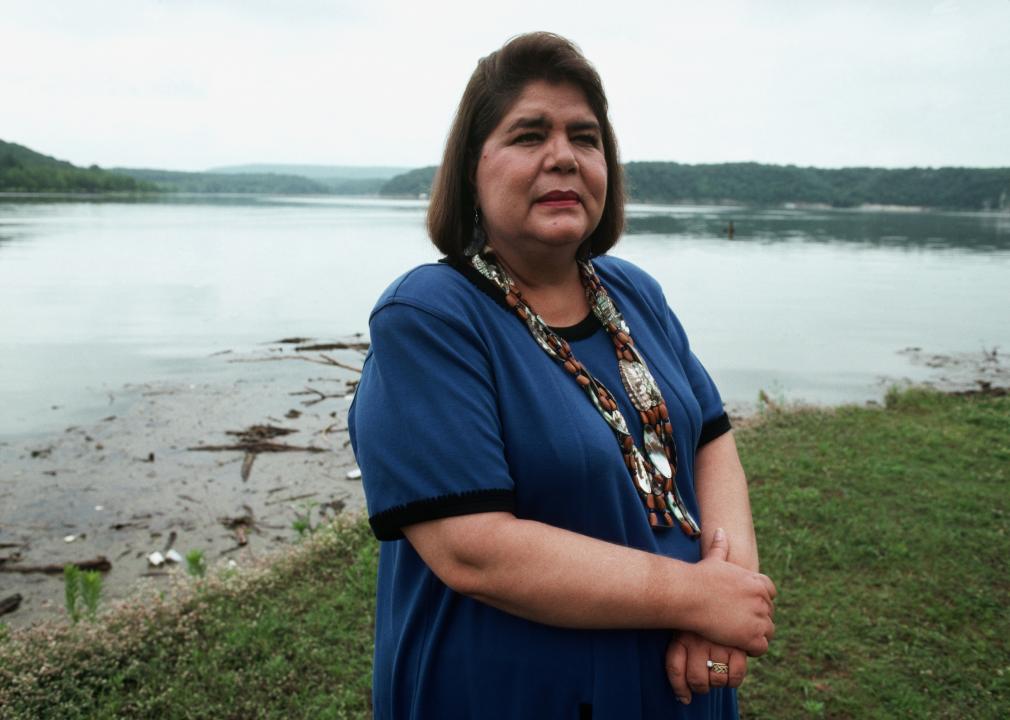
(721, 489)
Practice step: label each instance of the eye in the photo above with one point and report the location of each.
(588, 139)
(527, 138)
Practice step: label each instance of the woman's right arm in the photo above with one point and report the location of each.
(557, 577)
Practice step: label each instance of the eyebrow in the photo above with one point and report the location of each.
(539, 122)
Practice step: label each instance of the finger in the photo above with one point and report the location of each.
(720, 546)
(676, 671)
(772, 590)
(737, 668)
(697, 668)
(718, 674)
(758, 647)
(771, 631)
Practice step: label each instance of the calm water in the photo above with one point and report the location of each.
(810, 305)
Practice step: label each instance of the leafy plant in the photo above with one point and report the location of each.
(303, 520)
(91, 591)
(81, 588)
(196, 563)
(72, 591)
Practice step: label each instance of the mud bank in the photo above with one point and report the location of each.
(223, 468)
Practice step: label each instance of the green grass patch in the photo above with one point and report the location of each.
(886, 531)
(292, 640)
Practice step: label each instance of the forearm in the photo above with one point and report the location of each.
(558, 577)
(721, 488)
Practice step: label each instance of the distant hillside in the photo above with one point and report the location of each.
(194, 182)
(754, 183)
(411, 184)
(315, 172)
(24, 170)
(757, 184)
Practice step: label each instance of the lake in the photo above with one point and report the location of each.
(809, 305)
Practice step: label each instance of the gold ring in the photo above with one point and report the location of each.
(717, 667)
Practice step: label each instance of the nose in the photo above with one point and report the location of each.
(561, 155)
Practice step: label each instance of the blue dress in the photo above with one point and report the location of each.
(460, 411)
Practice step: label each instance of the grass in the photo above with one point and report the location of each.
(292, 640)
(886, 531)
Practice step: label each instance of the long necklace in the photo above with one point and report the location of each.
(652, 471)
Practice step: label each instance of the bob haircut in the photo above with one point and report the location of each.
(492, 90)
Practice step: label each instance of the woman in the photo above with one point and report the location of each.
(539, 445)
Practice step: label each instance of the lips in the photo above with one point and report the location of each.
(559, 197)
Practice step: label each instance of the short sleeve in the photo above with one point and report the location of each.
(715, 421)
(424, 422)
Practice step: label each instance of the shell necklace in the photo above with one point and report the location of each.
(652, 470)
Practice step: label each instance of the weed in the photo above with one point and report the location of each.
(72, 591)
(196, 563)
(81, 588)
(91, 591)
(303, 520)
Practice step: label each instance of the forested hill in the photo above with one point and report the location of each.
(199, 182)
(24, 170)
(757, 184)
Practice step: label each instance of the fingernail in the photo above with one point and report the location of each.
(720, 534)
(683, 701)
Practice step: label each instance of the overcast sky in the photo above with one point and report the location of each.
(191, 84)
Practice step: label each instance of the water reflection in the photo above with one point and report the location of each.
(981, 232)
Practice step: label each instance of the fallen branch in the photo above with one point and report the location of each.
(10, 604)
(321, 360)
(257, 447)
(100, 563)
(313, 391)
(321, 347)
(247, 463)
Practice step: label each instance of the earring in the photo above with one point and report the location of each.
(479, 238)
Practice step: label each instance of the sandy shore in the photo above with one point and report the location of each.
(127, 485)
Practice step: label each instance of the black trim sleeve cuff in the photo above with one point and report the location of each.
(388, 524)
(714, 428)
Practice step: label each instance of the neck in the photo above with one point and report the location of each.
(551, 284)
(538, 271)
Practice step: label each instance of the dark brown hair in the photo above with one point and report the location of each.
(493, 88)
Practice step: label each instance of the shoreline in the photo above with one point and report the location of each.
(228, 468)
(145, 480)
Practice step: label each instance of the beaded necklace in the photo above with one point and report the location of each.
(652, 471)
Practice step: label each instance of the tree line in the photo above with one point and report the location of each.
(759, 184)
(24, 170)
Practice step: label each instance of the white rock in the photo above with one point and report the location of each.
(69, 538)
(173, 556)
(354, 474)
(156, 559)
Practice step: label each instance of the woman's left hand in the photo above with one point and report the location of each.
(687, 668)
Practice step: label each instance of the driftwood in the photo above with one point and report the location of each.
(321, 360)
(247, 463)
(323, 347)
(100, 563)
(257, 439)
(10, 604)
(312, 391)
(257, 448)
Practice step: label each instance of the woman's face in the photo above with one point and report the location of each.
(542, 176)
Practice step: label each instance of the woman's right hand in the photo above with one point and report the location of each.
(736, 605)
